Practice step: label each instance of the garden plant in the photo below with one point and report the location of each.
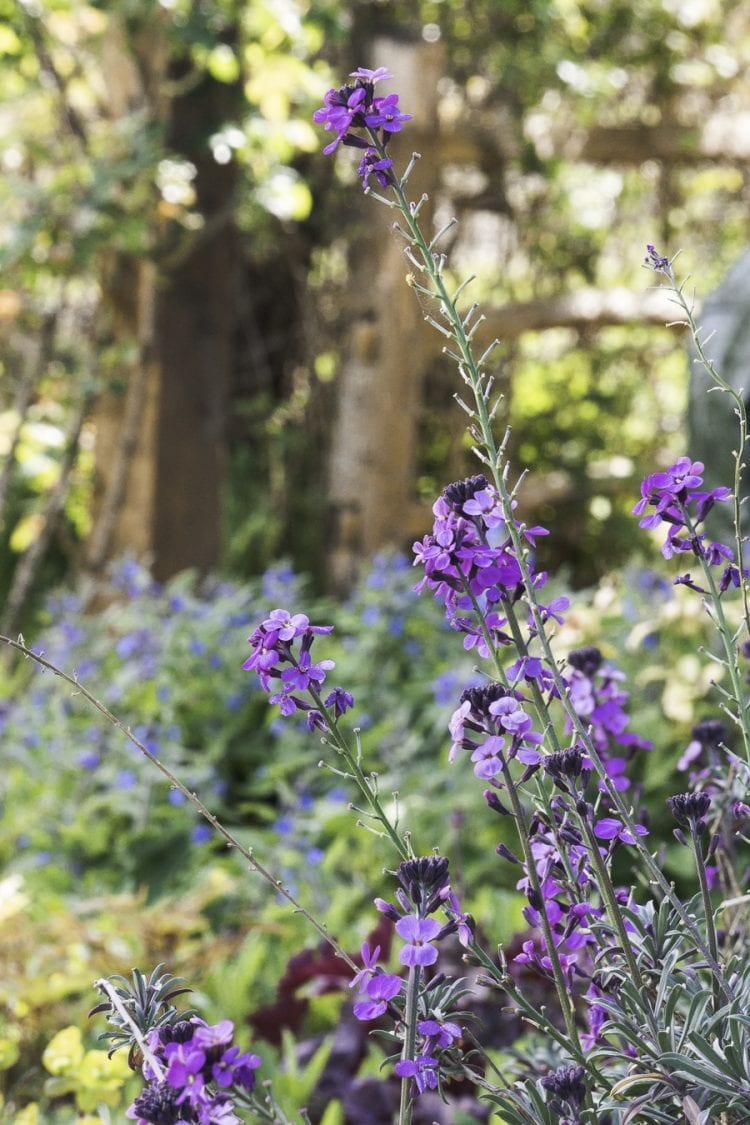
(627, 999)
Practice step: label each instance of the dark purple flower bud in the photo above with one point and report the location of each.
(504, 851)
(566, 766)
(495, 803)
(424, 878)
(156, 1103)
(654, 260)
(690, 810)
(586, 660)
(566, 1085)
(460, 491)
(740, 810)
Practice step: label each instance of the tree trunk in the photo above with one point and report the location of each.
(160, 441)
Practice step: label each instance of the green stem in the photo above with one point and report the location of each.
(339, 743)
(707, 907)
(607, 891)
(408, 1050)
(563, 992)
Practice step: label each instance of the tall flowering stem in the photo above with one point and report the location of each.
(347, 113)
(662, 265)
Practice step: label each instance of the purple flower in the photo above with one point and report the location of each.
(380, 74)
(452, 905)
(373, 1000)
(654, 260)
(353, 110)
(372, 164)
(423, 1070)
(340, 701)
(369, 962)
(234, 1069)
(443, 1033)
(610, 828)
(386, 114)
(418, 933)
(184, 1071)
(214, 1035)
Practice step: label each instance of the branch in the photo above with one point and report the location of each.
(584, 308)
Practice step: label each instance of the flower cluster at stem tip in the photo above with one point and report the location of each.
(273, 657)
(679, 502)
(355, 106)
(201, 1065)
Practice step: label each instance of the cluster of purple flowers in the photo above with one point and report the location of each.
(679, 502)
(355, 106)
(491, 722)
(273, 657)
(425, 888)
(200, 1066)
(470, 563)
(596, 692)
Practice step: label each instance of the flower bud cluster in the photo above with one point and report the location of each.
(491, 722)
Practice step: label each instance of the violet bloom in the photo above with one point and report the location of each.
(184, 1071)
(418, 933)
(373, 1000)
(214, 1035)
(234, 1069)
(361, 120)
(610, 828)
(423, 1070)
(372, 164)
(339, 701)
(442, 1033)
(370, 959)
(655, 261)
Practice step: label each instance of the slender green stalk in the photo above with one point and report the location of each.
(741, 412)
(338, 741)
(607, 891)
(408, 1050)
(707, 907)
(563, 992)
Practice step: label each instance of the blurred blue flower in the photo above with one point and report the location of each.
(125, 779)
